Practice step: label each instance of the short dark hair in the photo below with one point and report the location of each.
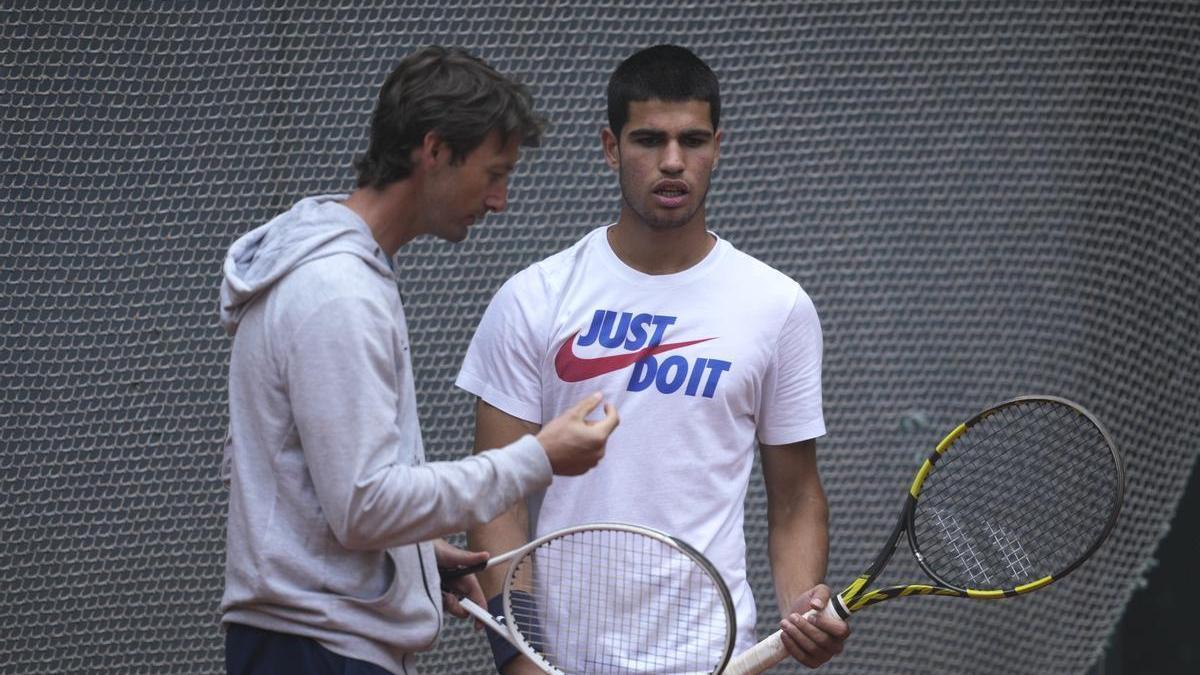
(448, 91)
(665, 73)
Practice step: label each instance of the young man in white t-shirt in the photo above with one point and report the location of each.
(706, 352)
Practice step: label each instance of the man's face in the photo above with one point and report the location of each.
(460, 195)
(664, 158)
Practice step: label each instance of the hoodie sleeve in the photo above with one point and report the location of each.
(342, 377)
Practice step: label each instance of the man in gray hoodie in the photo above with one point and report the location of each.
(335, 517)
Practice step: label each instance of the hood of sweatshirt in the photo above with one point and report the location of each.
(314, 228)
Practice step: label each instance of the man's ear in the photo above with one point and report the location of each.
(717, 144)
(611, 148)
(433, 149)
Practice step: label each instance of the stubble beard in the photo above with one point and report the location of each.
(655, 222)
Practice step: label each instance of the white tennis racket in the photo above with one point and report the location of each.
(612, 598)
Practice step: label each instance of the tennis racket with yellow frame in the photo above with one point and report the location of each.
(1012, 500)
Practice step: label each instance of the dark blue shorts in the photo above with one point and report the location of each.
(254, 651)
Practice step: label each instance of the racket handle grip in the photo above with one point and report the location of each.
(764, 655)
(485, 617)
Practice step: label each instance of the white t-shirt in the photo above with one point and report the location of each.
(700, 365)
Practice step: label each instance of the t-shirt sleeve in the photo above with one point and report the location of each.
(503, 362)
(790, 406)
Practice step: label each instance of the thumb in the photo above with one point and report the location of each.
(819, 596)
(458, 557)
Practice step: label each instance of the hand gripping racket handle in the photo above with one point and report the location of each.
(765, 654)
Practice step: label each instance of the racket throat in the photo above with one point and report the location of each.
(836, 606)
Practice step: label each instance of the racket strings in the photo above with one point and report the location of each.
(1063, 475)
(1054, 472)
(1055, 478)
(602, 601)
(1020, 495)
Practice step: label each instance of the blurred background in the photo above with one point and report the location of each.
(983, 199)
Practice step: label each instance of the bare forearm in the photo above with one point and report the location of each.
(505, 533)
(797, 519)
(798, 545)
(798, 541)
(510, 530)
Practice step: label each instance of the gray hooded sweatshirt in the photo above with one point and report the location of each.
(332, 503)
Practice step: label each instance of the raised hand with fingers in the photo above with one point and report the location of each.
(572, 443)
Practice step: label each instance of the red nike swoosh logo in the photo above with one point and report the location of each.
(571, 368)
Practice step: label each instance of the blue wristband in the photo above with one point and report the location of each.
(502, 650)
(524, 607)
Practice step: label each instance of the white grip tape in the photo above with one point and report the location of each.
(762, 656)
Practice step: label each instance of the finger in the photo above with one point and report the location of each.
(458, 557)
(610, 421)
(836, 628)
(798, 644)
(463, 587)
(585, 406)
(475, 592)
(452, 605)
(826, 644)
(820, 596)
(819, 630)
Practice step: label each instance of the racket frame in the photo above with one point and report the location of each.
(771, 650)
(853, 598)
(508, 628)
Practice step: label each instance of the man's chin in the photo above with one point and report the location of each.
(455, 234)
(664, 222)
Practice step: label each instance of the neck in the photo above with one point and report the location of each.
(392, 212)
(659, 251)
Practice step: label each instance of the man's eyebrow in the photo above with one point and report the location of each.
(697, 132)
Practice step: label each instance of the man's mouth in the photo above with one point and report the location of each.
(670, 194)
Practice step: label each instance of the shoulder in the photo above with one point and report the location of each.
(769, 285)
(337, 285)
(338, 275)
(547, 278)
